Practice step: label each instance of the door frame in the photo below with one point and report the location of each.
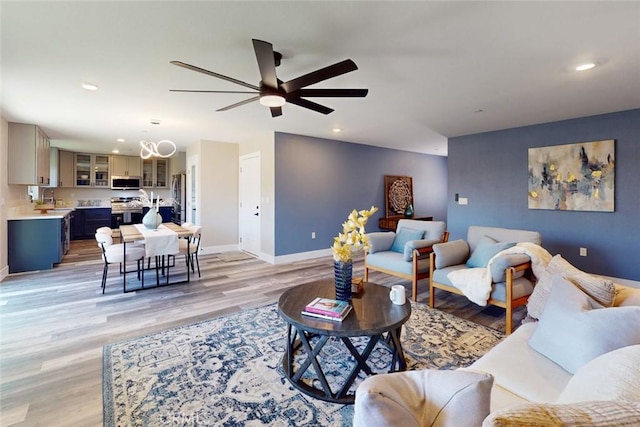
(241, 199)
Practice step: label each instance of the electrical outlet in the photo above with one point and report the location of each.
(463, 201)
(313, 234)
(583, 251)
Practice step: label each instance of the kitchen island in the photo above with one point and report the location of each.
(37, 241)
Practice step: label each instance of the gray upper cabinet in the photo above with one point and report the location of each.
(126, 166)
(28, 154)
(65, 168)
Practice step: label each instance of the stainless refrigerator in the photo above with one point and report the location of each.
(179, 196)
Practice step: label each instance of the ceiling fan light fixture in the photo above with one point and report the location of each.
(272, 100)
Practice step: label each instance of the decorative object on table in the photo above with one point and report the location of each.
(327, 308)
(152, 219)
(356, 285)
(397, 295)
(352, 239)
(398, 194)
(573, 177)
(228, 369)
(333, 318)
(408, 210)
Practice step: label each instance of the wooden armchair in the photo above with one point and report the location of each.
(510, 285)
(405, 252)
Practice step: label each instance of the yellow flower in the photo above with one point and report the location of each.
(353, 236)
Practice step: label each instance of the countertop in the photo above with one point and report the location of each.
(57, 213)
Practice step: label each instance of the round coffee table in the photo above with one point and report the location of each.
(373, 315)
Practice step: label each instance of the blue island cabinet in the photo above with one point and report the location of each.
(34, 244)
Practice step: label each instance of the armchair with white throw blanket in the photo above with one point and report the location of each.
(489, 267)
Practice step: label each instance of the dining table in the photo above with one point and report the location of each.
(158, 243)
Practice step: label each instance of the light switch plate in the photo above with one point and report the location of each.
(463, 201)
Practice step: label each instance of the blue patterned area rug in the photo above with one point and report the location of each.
(227, 371)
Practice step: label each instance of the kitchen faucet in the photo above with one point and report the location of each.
(51, 199)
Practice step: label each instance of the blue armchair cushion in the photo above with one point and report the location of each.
(451, 253)
(417, 244)
(485, 250)
(501, 263)
(403, 236)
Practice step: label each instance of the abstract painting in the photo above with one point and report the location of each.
(573, 177)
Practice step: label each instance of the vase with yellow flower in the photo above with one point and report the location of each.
(352, 239)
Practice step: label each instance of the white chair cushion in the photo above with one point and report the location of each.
(545, 386)
(115, 253)
(425, 397)
(611, 376)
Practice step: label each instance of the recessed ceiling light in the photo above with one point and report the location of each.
(115, 151)
(89, 86)
(120, 140)
(336, 130)
(585, 67)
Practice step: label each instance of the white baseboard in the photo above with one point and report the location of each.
(302, 256)
(217, 249)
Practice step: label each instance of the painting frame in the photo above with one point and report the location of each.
(572, 177)
(398, 193)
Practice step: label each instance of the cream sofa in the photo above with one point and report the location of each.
(575, 363)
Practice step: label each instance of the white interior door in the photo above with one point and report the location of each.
(191, 215)
(249, 189)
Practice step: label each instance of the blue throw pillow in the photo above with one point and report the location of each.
(403, 236)
(485, 250)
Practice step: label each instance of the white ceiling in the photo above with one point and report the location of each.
(433, 69)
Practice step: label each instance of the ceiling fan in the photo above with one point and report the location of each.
(273, 92)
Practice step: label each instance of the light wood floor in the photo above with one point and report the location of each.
(54, 323)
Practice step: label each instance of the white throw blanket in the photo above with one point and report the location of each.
(161, 241)
(475, 283)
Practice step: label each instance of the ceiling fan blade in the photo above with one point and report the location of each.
(211, 73)
(276, 111)
(319, 75)
(310, 105)
(266, 63)
(209, 91)
(332, 93)
(238, 104)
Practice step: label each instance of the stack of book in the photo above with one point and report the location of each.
(329, 309)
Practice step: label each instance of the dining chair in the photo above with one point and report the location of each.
(193, 245)
(114, 253)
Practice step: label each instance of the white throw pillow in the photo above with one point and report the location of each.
(601, 290)
(583, 414)
(612, 376)
(571, 333)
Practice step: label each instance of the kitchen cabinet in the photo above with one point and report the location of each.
(65, 168)
(126, 166)
(155, 173)
(92, 170)
(85, 222)
(28, 155)
(35, 244)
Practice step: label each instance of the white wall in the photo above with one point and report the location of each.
(265, 145)
(217, 194)
(12, 197)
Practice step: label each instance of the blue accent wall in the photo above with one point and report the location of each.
(490, 169)
(319, 181)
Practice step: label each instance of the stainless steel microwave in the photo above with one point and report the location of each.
(126, 182)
